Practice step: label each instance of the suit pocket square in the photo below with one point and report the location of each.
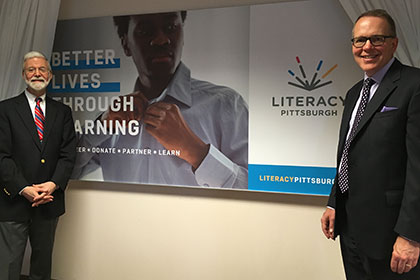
(387, 109)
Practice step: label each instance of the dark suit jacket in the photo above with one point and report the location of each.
(24, 160)
(384, 165)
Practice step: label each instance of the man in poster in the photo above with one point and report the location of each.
(192, 132)
(375, 201)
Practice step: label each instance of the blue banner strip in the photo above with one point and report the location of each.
(82, 65)
(291, 179)
(104, 87)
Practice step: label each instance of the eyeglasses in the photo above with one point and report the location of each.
(376, 40)
(32, 70)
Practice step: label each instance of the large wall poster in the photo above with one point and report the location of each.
(300, 69)
(269, 66)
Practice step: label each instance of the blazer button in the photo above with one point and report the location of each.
(42, 160)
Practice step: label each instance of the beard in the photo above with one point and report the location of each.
(37, 84)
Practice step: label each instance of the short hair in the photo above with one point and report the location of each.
(33, 54)
(121, 22)
(381, 14)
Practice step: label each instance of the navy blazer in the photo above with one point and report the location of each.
(24, 160)
(384, 164)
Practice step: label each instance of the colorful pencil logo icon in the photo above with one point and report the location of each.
(303, 81)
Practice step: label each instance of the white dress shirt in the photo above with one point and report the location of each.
(217, 115)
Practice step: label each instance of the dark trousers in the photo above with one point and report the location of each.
(358, 266)
(13, 239)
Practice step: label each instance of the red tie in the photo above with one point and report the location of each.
(39, 118)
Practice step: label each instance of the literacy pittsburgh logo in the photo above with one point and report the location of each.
(297, 104)
(315, 81)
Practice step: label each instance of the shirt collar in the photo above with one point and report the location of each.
(179, 87)
(378, 76)
(32, 97)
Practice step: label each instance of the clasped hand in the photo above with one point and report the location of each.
(39, 194)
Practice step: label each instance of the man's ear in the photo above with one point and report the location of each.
(395, 44)
(124, 44)
(50, 75)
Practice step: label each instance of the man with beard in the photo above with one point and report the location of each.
(204, 126)
(37, 154)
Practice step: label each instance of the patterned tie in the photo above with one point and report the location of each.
(343, 177)
(39, 118)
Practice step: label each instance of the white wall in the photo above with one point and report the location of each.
(120, 231)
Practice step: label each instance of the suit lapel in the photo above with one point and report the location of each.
(387, 86)
(25, 113)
